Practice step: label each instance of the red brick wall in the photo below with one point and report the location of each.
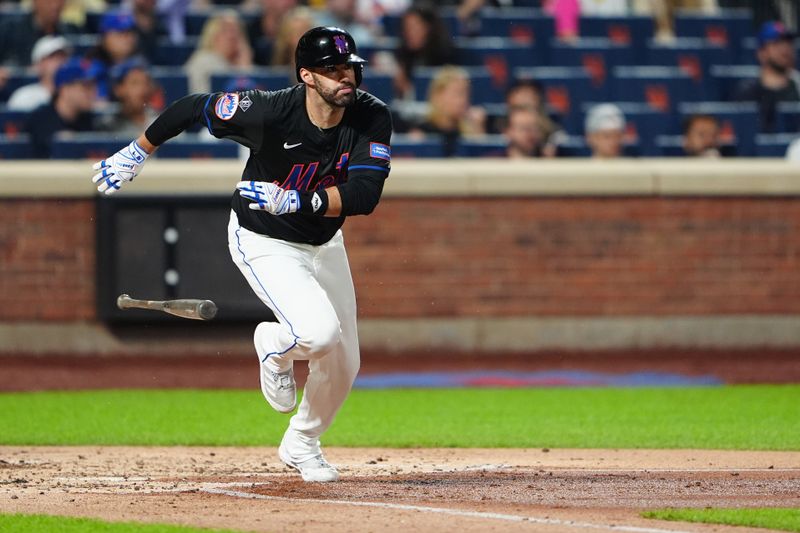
(482, 257)
(47, 259)
(577, 256)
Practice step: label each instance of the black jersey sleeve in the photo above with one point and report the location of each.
(236, 116)
(369, 162)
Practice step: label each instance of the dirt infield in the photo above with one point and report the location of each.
(465, 490)
(468, 490)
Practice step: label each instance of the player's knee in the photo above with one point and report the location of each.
(322, 340)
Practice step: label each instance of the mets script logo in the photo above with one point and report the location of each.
(226, 106)
(341, 44)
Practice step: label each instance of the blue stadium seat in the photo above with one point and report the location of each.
(174, 84)
(597, 55)
(774, 144)
(725, 78)
(564, 87)
(788, 117)
(405, 146)
(485, 89)
(12, 122)
(659, 87)
(738, 122)
(500, 55)
(15, 147)
(265, 79)
(694, 56)
(83, 43)
(391, 23)
(169, 54)
(199, 149)
(633, 31)
(484, 146)
(727, 28)
(525, 26)
(380, 85)
(99, 145)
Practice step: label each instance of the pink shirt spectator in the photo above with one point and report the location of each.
(566, 14)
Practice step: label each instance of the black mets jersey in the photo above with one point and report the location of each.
(290, 151)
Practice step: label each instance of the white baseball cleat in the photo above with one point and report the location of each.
(279, 388)
(316, 469)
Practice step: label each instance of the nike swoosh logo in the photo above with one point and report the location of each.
(287, 146)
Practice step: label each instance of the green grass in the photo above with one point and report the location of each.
(20, 523)
(780, 519)
(736, 417)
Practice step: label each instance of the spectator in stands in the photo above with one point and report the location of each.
(223, 47)
(75, 11)
(449, 110)
(132, 89)
(148, 24)
(18, 34)
(778, 80)
(566, 14)
(75, 96)
(424, 41)
(294, 25)
(49, 53)
(345, 14)
(701, 136)
(263, 30)
(605, 129)
(119, 42)
(525, 134)
(528, 94)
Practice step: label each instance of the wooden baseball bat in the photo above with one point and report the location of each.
(186, 308)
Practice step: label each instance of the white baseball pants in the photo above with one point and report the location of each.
(310, 290)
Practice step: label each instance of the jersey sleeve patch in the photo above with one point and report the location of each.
(226, 106)
(380, 151)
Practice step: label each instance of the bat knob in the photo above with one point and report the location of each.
(122, 300)
(207, 310)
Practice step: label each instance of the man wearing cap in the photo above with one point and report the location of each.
(118, 43)
(49, 53)
(75, 95)
(605, 129)
(18, 34)
(132, 87)
(778, 80)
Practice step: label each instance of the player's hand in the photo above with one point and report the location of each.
(122, 166)
(269, 197)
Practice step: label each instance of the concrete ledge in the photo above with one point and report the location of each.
(522, 334)
(451, 178)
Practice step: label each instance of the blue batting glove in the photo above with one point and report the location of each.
(120, 167)
(269, 197)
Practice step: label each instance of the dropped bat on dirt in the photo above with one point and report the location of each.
(186, 308)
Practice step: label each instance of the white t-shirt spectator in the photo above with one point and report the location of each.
(28, 97)
(604, 7)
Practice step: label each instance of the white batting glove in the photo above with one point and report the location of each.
(122, 166)
(269, 197)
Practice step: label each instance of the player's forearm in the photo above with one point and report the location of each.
(359, 196)
(178, 117)
(334, 202)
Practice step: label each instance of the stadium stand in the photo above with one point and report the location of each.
(615, 59)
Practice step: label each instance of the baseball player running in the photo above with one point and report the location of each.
(319, 152)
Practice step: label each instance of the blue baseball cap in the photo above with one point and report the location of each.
(118, 72)
(774, 31)
(75, 69)
(116, 21)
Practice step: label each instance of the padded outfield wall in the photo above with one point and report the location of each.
(466, 254)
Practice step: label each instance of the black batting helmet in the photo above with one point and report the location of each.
(327, 46)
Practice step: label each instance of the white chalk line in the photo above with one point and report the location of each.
(443, 510)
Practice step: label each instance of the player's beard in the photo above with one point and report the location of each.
(332, 96)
